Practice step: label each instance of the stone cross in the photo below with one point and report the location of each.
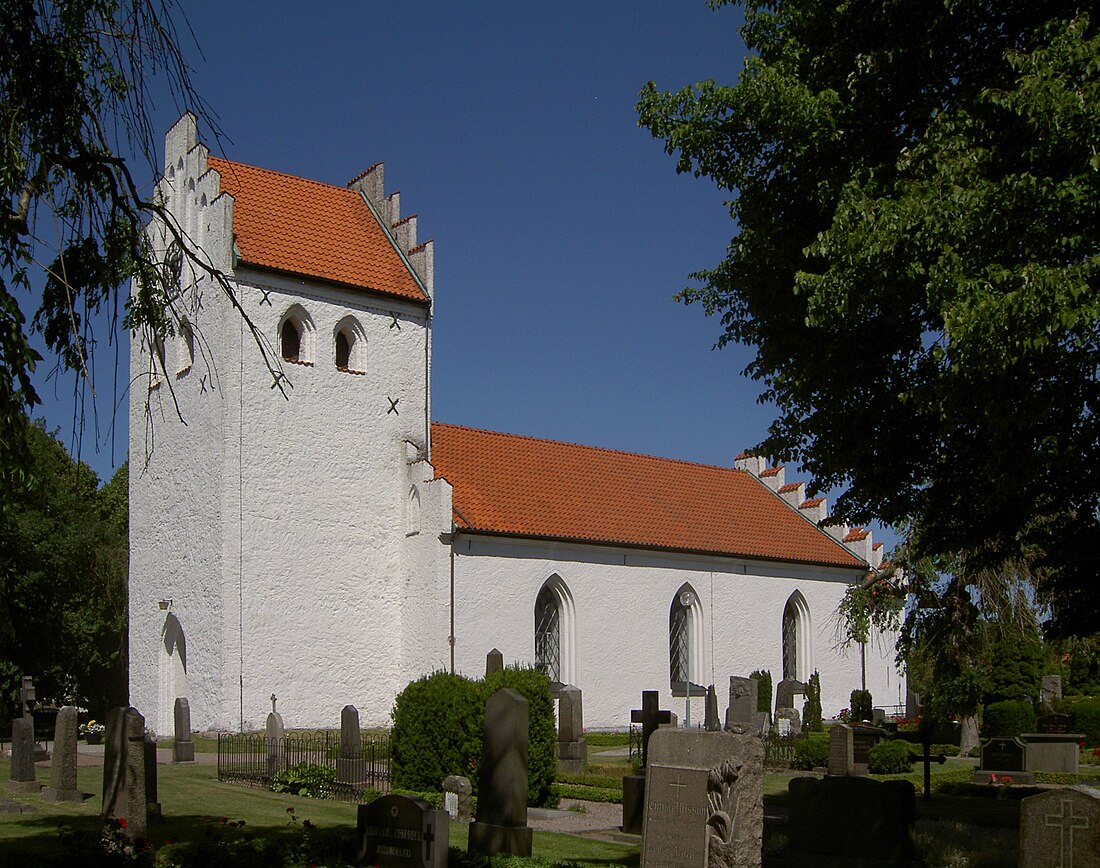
(273, 701)
(650, 718)
(501, 825)
(62, 786)
(1065, 822)
(1061, 828)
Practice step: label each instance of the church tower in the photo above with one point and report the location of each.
(285, 524)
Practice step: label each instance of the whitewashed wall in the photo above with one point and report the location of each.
(621, 600)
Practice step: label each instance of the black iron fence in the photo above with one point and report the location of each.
(781, 751)
(306, 764)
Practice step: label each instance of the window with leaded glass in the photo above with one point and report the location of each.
(790, 640)
(548, 634)
(678, 641)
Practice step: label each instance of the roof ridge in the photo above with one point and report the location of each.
(266, 171)
(605, 449)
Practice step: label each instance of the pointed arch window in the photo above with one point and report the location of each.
(291, 341)
(685, 642)
(350, 343)
(795, 631)
(554, 624)
(296, 336)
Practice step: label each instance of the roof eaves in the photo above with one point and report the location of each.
(381, 293)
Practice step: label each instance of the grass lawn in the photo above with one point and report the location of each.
(194, 803)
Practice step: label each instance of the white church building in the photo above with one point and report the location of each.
(301, 527)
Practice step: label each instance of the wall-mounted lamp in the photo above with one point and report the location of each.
(165, 605)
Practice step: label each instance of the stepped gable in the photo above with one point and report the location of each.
(857, 540)
(294, 225)
(512, 485)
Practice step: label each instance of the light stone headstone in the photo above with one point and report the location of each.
(704, 800)
(22, 757)
(275, 738)
(912, 705)
(742, 704)
(794, 723)
(1061, 827)
(571, 747)
(62, 786)
(878, 716)
(1051, 688)
(350, 767)
(711, 721)
(183, 748)
(837, 821)
(459, 793)
(494, 662)
(841, 750)
(501, 825)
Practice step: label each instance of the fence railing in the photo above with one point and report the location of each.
(780, 751)
(254, 760)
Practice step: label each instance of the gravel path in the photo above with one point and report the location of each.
(600, 819)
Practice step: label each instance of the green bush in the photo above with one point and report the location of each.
(438, 722)
(861, 705)
(305, 779)
(811, 710)
(541, 734)
(945, 749)
(1085, 718)
(811, 753)
(1008, 718)
(890, 758)
(763, 679)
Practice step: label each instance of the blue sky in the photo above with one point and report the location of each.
(561, 228)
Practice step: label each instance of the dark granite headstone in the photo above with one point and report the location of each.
(124, 771)
(863, 739)
(786, 691)
(501, 825)
(22, 757)
(1052, 723)
(62, 786)
(402, 832)
(742, 704)
(711, 722)
(183, 748)
(114, 762)
(494, 662)
(837, 822)
(1004, 754)
(650, 716)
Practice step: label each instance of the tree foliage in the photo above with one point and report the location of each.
(63, 566)
(916, 191)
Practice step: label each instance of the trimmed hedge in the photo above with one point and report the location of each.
(1085, 717)
(438, 724)
(811, 753)
(890, 758)
(1008, 718)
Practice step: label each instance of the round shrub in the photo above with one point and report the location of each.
(438, 721)
(811, 753)
(1008, 718)
(890, 758)
(1085, 717)
(541, 734)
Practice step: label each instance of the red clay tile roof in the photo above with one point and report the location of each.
(771, 471)
(312, 229)
(521, 486)
(812, 502)
(790, 486)
(856, 533)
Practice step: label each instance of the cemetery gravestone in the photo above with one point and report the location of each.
(1003, 756)
(863, 739)
(494, 662)
(1061, 827)
(841, 751)
(458, 798)
(650, 716)
(822, 830)
(350, 768)
(402, 832)
(1053, 748)
(62, 786)
(501, 825)
(124, 775)
(711, 723)
(912, 705)
(275, 738)
(786, 691)
(742, 707)
(571, 749)
(788, 716)
(704, 800)
(762, 724)
(183, 748)
(878, 716)
(22, 757)
(1051, 688)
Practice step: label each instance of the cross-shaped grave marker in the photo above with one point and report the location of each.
(650, 718)
(928, 758)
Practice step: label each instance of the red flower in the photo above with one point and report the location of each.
(122, 822)
(290, 810)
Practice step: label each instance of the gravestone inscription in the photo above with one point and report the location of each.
(458, 798)
(402, 832)
(704, 800)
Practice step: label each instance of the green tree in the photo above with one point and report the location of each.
(63, 574)
(74, 84)
(916, 192)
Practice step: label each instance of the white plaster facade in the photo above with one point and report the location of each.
(299, 545)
